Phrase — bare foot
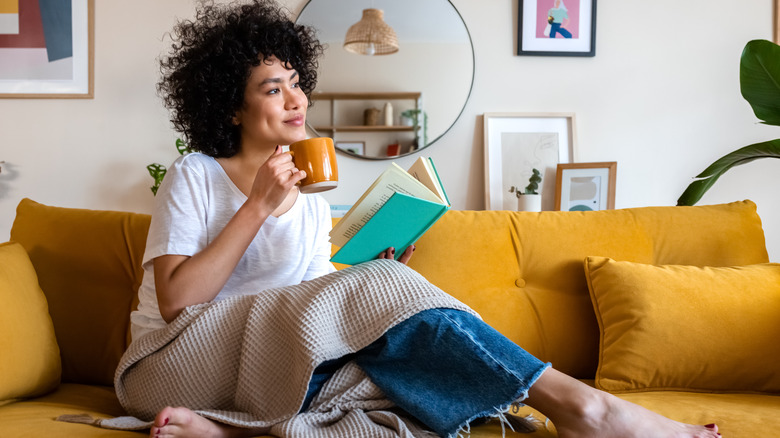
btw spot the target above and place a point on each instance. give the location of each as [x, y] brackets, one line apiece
[182, 423]
[580, 411]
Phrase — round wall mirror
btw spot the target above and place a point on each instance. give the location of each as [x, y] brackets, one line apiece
[389, 105]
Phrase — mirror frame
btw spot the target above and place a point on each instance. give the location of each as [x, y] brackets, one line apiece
[454, 121]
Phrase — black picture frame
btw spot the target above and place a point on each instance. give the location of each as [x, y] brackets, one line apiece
[529, 43]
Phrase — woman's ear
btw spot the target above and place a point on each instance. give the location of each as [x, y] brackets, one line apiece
[236, 120]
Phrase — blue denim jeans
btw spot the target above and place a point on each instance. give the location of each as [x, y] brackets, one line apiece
[555, 29]
[444, 367]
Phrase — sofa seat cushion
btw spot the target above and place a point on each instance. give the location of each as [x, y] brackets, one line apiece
[737, 415]
[29, 355]
[35, 418]
[689, 328]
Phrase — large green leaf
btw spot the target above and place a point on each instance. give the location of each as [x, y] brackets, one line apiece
[705, 180]
[759, 79]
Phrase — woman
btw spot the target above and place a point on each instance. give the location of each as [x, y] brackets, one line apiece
[230, 222]
[560, 19]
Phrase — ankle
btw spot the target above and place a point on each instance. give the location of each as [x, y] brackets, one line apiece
[565, 400]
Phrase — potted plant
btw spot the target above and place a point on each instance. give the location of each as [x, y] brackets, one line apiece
[759, 80]
[157, 171]
[529, 199]
[411, 117]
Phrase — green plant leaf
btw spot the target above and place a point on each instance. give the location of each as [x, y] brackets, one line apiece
[705, 180]
[759, 79]
[182, 147]
[156, 171]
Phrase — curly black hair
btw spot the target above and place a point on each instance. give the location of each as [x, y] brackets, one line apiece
[204, 77]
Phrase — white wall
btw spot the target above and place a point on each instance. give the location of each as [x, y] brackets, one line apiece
[661, 98]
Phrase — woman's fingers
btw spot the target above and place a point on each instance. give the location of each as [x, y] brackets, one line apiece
[407, 254]
[389, 253]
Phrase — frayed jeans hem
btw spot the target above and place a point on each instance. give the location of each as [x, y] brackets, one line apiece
[501, 410]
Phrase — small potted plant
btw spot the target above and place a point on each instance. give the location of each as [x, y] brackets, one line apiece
[529, 199]
[157, 171]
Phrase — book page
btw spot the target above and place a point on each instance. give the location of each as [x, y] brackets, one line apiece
[394, 179]
[421, 169]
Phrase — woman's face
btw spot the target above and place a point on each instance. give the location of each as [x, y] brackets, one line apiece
[274, 108]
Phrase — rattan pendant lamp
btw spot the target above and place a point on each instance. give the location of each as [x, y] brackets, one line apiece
[371, 35]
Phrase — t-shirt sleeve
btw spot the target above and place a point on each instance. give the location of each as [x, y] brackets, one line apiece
[179, 222]
[320, 264]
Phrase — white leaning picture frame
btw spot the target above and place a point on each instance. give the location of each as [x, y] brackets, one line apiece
[517, 143]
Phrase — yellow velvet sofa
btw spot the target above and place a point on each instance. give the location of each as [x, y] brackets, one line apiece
[673, 308]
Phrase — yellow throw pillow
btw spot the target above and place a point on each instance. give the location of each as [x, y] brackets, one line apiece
[29, 358]
[685, 327]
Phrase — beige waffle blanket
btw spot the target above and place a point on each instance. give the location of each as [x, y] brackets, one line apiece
[247, 361]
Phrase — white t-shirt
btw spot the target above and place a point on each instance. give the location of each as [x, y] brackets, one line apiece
[195, 202]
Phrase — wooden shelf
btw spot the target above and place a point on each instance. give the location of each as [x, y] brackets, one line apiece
[345, 108]
[366, 96]
[365, 128]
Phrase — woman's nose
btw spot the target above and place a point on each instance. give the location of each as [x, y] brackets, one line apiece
[294, 99]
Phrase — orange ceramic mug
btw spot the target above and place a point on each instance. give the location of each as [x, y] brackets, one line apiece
[317, 157]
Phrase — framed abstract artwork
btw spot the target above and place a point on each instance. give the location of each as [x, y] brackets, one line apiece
[517, 143]
[585, 186]
[46, 48]
[556, 28]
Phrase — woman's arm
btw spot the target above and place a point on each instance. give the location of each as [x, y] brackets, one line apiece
[183, 281]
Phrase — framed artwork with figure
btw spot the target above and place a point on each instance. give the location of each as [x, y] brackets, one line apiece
[556, 28]
[517, 143]
[585, 186]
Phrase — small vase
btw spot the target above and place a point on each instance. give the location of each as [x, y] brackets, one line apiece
[529, 203]
[388, 114]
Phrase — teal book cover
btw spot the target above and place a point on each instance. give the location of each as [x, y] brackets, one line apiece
[398, 224]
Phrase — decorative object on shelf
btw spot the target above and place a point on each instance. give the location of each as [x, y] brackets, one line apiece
[407, 119]
[388, 114]
[393, 150]
[572, 28]
[519, 142]
[157, 171]
[529, 198]
[585, 186]
[353, 147]
[41, 42]
[759, 76]
[411, 117]
[371, 35]
[371, 116]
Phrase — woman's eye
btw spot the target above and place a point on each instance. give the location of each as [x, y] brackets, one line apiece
[274, 91]
[296, 85]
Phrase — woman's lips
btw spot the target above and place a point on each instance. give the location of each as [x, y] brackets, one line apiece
[295, 121]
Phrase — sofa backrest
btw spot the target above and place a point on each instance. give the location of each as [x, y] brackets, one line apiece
[523, 272]
[88, 264]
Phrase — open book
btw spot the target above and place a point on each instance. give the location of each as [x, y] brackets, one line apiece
[395, 211]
